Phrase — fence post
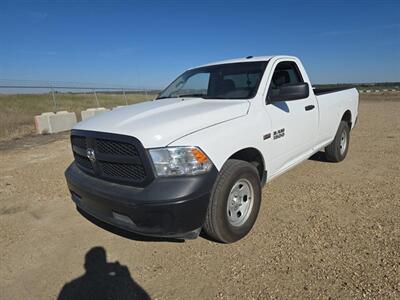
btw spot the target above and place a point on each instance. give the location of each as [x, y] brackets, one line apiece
[54, 99]
[145, 92]
[97, 100]
[126, 101]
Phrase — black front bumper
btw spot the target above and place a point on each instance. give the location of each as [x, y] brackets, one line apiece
[167, 207]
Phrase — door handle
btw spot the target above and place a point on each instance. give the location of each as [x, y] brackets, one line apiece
[309, 107]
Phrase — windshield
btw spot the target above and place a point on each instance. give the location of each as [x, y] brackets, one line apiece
[226, 81]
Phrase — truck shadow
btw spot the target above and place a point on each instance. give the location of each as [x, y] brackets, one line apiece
[319, 156]
[102, 280]
[126, 234]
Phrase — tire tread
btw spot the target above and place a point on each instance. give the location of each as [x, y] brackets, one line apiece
[210, 225]
[332, 152]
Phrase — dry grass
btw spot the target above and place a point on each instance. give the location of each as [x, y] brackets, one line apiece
[384, 96]
[17, 110]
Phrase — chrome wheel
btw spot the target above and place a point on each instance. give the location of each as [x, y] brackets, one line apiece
[240, 202]
[343, 142]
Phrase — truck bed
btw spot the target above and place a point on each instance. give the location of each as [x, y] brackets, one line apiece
[321, 91]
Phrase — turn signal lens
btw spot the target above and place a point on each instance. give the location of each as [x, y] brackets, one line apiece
[199, 156]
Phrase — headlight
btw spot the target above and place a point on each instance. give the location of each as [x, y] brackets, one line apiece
[175, 161]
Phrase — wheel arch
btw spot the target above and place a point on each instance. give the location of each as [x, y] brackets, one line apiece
[253, 156]
[347, 117]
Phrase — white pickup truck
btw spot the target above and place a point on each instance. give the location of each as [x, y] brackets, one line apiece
[195, 158]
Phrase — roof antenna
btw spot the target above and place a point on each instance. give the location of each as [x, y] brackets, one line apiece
[250, 56]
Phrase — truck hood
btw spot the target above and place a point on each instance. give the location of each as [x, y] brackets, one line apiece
[160, 122]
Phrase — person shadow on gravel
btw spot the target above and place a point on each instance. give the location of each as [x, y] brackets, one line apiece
[102, 280]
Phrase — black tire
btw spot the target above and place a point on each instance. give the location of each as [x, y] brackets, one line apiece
[334, 152]
[217, 225]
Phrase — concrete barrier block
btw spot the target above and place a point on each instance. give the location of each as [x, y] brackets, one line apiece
[62, 121]
[42, 123]
[91, 112]
[50, 122]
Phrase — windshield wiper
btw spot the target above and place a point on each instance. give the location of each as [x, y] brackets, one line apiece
[215, 97]
[183, 96]
[192, 95]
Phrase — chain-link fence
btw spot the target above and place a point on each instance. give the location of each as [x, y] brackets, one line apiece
[20, 102]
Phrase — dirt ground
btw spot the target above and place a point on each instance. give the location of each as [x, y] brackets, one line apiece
[325, 231]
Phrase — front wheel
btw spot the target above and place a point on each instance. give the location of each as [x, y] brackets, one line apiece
[337, 150]
[235, 202]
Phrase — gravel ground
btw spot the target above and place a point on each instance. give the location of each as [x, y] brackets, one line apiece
[325, 231]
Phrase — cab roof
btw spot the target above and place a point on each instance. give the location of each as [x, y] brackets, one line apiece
[243, 59]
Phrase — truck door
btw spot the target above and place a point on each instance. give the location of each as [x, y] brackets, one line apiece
[294, 123]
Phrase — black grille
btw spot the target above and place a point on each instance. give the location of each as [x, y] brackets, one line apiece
[112, 147]
[83, 161]
[135, 172]
[118, 158]
[79, 141]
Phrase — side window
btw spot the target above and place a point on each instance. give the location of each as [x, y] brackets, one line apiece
[286, 72]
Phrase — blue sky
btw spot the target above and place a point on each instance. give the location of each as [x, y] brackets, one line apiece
[148, 43]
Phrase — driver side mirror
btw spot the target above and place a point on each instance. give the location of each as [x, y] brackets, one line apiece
[288, 92]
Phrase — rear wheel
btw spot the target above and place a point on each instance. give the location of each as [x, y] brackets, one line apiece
[337, 150]
[235, 202]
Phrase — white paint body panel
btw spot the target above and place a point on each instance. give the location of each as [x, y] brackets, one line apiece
[331, 109]
[300, 125]
[222, 127]
[158, 123]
